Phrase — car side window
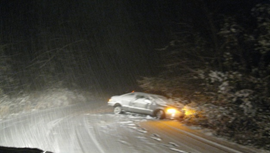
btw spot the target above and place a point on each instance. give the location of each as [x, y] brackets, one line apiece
[139, 96]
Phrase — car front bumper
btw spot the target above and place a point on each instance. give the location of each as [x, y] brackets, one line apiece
[175, 115]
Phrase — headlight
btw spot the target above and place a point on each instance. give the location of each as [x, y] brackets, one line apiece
[171, 111]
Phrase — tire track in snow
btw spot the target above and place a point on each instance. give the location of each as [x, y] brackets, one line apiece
[203, 140]
[171, 147]
[94, 139]
[162, 139]
[188, 141]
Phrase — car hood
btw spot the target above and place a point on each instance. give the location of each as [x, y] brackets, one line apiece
[161, 102]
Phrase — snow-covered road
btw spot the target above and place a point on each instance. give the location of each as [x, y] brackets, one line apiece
[89, 128]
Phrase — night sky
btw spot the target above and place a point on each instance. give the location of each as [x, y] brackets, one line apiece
[115, 42]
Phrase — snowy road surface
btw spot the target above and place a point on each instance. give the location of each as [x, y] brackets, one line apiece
[89, 128]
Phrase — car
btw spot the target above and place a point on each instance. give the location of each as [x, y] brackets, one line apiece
[144, 103]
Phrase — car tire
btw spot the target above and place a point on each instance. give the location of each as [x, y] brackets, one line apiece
[117, 110]
[160, 115]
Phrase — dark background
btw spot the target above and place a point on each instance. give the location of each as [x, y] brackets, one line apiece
[99, 45]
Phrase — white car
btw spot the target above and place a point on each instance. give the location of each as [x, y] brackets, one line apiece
[144, 103]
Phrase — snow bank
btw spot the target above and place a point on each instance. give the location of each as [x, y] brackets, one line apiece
[38, 100]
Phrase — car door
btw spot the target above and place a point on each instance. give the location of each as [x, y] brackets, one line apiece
[141, 104]
[126, 100]
[147, 106]
[131, 103]
[134, 104]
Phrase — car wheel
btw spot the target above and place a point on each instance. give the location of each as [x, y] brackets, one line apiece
[117, 110]
[160, 114]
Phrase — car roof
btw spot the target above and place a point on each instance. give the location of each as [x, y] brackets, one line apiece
[143, 93]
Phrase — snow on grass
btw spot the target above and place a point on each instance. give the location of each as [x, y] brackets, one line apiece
[38, 100]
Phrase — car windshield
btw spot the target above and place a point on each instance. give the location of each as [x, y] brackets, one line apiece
[128, 94]
[160, 99]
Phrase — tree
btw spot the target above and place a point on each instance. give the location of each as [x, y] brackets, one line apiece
[7, 81]
[231, 91]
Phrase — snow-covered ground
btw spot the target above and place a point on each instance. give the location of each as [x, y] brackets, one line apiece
[89, 128]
